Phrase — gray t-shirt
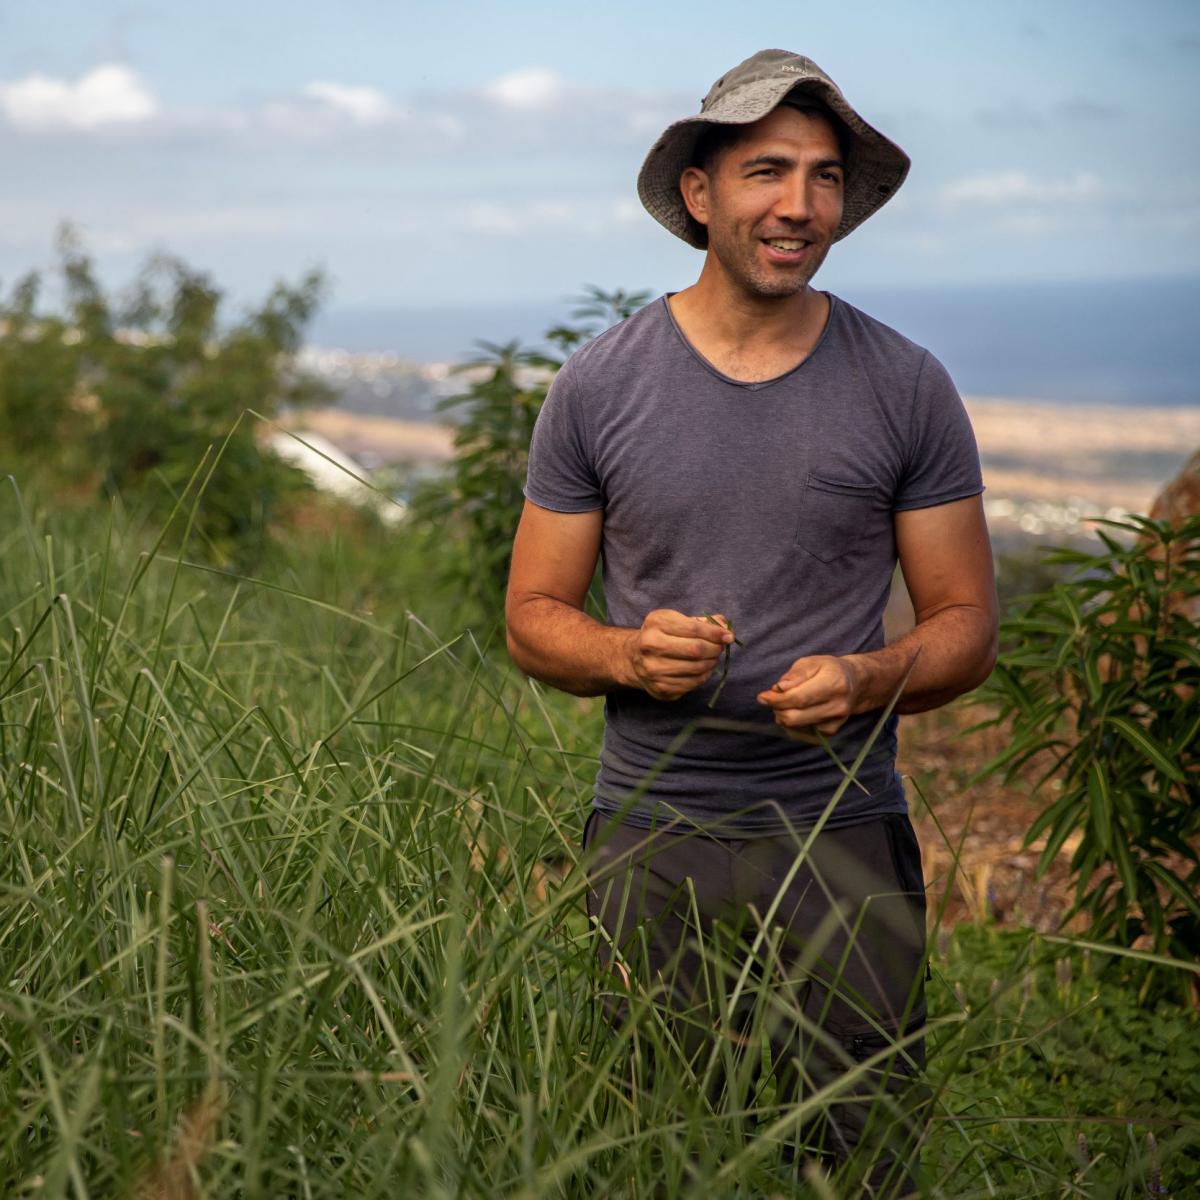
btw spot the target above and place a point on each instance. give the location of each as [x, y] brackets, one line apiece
[769, 502]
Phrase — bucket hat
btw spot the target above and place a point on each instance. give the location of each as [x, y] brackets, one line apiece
[875, 165]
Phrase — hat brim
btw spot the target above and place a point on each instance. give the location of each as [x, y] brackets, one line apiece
[876, 166]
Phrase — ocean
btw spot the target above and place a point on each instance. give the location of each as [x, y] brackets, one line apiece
[1127, 343]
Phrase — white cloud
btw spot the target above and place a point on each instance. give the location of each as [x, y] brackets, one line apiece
[106, 95]
[571, 216]
[1033, 223]
[496, 217]
[532, 108]
[364, 105]
[1016, 187]
[531, 88]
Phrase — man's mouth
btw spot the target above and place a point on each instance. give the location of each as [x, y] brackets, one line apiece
[786, 249]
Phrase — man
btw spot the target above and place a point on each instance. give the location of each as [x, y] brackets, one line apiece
[751, 456]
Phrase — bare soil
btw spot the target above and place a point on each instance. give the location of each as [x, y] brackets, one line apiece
[972, 833]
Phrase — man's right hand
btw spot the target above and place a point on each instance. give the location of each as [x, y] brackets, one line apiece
[673, 654]
[551, 638]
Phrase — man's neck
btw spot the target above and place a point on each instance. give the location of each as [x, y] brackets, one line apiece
[727, 325]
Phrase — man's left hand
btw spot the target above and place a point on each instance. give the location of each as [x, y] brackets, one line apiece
[821, 690]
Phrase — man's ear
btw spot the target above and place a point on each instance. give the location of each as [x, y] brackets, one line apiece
[694, 187]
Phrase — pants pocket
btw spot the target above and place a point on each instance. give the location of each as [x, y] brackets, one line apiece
[588, 827]
[910, 876]
[589, 830]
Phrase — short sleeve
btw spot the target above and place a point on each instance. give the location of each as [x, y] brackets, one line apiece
[561, 475]
[943, 460]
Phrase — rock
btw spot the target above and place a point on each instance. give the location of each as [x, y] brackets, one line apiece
[1180, 499]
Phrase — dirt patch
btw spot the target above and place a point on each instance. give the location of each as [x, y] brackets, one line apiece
[972, 833]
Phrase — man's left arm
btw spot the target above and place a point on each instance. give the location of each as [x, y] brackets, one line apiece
[946, 559]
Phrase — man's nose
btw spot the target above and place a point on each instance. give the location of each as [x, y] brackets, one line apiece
[795, 203]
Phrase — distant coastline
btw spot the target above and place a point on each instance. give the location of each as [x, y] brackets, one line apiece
[1127, 343]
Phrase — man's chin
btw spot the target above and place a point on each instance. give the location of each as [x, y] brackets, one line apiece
[779, 289]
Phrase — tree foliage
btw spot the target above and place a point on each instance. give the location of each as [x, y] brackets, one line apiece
[1101, 675]
[136, 397]
[482, 495]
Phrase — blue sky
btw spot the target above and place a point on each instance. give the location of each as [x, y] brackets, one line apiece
[474, 152]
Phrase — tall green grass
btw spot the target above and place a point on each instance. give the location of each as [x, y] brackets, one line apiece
[290, 906]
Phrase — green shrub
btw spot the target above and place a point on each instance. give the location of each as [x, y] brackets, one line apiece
[129, 397]
[1100, 675]
[35, 386]
[481, 497]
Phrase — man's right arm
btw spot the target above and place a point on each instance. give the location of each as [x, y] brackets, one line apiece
[551, 638]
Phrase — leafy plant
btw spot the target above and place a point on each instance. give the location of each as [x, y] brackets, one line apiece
[1099, 675]
[38, 368]
[482, 493]
[129, 396]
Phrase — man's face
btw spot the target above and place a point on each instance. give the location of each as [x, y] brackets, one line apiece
[772, 202]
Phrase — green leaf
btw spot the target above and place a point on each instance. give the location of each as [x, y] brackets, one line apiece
[1091, 674]
[1103, 948]
[1125, 869]
[1063, 592]
[1062, 830]
[1047, 817]
[1153, 750]
[1177, 648]
[1100, 806]
[1185, 895]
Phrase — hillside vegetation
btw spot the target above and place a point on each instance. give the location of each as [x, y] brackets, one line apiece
[289, 898]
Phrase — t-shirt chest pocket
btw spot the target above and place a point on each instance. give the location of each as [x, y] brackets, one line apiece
[834, 514]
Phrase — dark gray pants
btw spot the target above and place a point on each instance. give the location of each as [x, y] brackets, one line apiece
[822, 953]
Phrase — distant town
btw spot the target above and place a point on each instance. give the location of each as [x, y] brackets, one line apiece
[385, 384]
[381, 384]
